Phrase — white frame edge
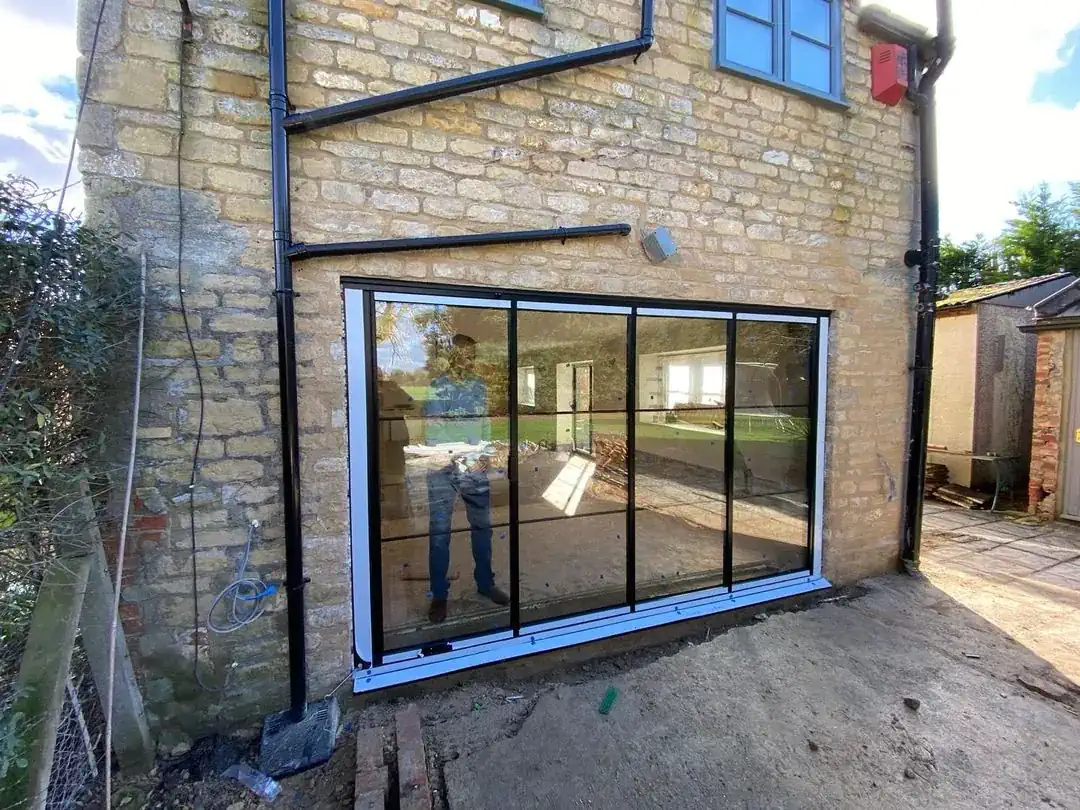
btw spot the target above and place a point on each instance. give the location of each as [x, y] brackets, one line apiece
[436, 300]
[524, 305]
[656, 312]
[818, 539]
[581, 631]
[359, 543]
[765, 316]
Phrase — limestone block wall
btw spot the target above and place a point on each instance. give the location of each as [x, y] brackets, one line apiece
[773, 198]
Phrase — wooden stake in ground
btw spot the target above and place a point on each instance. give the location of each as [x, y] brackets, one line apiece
[40, 687]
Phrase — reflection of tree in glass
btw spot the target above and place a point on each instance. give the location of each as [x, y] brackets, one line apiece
[773, 365]
[420, 339]
[780, 343]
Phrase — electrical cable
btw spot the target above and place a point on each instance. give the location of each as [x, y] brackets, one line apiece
[195, 360]
[243, 591]
[47, 251]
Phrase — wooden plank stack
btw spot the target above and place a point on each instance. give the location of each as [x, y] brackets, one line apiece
[962, 496]
[937, 475]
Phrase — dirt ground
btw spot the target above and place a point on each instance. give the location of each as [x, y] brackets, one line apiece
[797, 709]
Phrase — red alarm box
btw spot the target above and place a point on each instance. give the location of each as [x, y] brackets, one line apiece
[888, 73]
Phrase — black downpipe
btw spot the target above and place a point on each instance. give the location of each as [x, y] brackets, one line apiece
[927, 257]
[284, 252]
[286, 339]
[365, 107]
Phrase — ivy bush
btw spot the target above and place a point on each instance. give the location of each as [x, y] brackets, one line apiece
[68, 309]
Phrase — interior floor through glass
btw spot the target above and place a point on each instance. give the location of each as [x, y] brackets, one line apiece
[568, 566]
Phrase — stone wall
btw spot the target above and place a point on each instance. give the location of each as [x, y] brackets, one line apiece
[773, 198]
[1047, 424]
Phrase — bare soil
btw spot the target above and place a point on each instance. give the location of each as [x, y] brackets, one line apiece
[956, 688]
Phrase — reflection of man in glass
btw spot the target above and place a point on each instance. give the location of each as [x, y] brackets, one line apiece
[457, 418]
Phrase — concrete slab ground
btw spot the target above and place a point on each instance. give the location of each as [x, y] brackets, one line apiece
[807, 709]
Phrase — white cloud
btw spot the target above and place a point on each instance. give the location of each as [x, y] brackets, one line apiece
[36, 123]
[993, 141]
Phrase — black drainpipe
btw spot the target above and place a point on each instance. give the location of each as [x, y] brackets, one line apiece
[282, 121]
[927, 260]
[286, 339]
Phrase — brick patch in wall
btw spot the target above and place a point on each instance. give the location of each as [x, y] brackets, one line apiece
[1046, 425]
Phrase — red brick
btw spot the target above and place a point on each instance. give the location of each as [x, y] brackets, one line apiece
[372, 776]
[413, 787]
[150, 522]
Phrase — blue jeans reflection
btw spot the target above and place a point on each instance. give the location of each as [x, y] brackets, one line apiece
[444, 486]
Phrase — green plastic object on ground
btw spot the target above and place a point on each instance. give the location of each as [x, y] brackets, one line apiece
[609, 700]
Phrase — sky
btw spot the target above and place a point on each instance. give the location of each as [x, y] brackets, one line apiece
[1009, 103]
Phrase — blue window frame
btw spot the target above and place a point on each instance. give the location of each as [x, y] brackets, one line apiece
[794, 42]
[534, 8]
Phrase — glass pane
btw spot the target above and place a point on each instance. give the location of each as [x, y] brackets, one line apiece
[572, 474]
[442, 452]
[810, 65]
[406, 589]
[415, 471]
[748, 43]
[772, 451]
[679, 456]
[557, 480]
[811, 18]
[569, 352]
[759, 8]
[571, 565]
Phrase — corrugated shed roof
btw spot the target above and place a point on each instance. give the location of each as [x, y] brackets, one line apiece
[971, 295]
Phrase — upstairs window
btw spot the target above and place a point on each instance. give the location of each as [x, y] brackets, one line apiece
[534, 8]
[794, 42]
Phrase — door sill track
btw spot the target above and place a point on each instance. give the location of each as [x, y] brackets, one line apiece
[411, 666]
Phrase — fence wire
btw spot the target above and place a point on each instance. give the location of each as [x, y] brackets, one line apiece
[79, 757]
[79, 761]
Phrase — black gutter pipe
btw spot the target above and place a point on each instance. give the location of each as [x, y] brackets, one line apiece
[300, 250]
[927, 259]
[365, 107]
[286, 340]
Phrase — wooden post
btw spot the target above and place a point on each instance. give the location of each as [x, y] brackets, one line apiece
[131, 737]
[131, 740]
[40, 687]
[76, 591]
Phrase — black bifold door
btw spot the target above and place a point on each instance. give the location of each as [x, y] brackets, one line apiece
[530, 462]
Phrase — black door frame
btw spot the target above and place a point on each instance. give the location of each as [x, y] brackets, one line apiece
[510, 300]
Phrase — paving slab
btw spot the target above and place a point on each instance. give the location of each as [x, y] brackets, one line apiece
[1048, 550]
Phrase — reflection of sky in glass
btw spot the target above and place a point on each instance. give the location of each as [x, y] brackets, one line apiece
[407, 352]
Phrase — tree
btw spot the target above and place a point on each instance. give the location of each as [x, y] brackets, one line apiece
[1044, 237]
[968, 264]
